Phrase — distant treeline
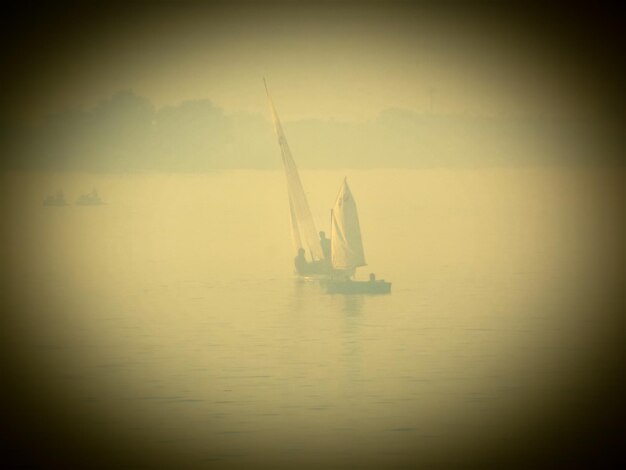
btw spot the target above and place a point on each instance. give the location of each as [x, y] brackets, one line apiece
[127, 133]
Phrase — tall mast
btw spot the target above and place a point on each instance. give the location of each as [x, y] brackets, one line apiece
[302, 223]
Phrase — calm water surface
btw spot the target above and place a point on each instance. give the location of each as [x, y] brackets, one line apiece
[171, 318]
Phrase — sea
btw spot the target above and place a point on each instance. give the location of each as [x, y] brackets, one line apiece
[166, 327]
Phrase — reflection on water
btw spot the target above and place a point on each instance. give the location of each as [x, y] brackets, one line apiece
[172, 320]
[353, 304]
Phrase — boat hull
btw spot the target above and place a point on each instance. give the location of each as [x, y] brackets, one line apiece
[334, 286]
[314, 269]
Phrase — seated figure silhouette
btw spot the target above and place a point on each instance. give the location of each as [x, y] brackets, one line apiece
[302, 267]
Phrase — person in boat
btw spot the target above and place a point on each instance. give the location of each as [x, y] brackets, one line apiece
[300, 262]
[325, 242]
[304, 267]
[372, 277]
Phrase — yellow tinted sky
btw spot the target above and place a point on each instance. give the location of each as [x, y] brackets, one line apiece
[342, 62]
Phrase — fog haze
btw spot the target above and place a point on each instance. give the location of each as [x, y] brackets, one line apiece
[153, 315]
[152, 86]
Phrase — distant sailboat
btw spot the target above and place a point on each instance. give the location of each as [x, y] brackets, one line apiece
[334, 260]
[347, 249]
[90, 199]
[302, 224]
[57, 199]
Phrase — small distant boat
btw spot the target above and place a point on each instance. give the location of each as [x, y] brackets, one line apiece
[347, 250]
[90, 199]
[348, 286]
[57, 199]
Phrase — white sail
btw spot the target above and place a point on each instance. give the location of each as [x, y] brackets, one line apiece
[346, 243]
[302, 224]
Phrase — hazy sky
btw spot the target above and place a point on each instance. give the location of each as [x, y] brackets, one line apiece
[345, 61]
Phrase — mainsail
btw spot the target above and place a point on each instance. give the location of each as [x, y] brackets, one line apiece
[346, 243]
[302, 224]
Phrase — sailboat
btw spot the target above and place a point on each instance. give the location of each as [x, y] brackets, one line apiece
[334, 261]
[90, 199]
[347, 249]
[302, 223]
[57, 199]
